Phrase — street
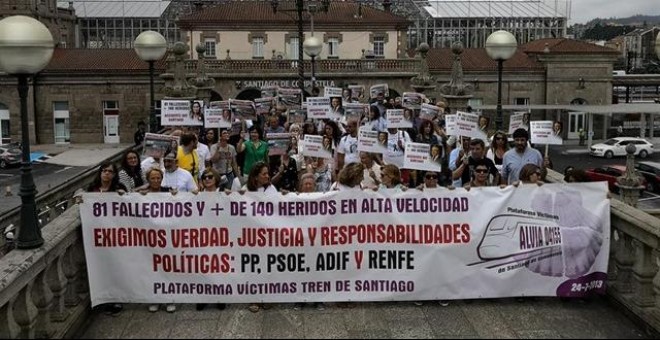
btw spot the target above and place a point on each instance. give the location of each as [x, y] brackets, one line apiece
[560, 160]
[45, 176]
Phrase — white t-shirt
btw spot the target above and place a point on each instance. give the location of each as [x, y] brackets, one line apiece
[204, 154]
[149, 163]
[369, 182]
[348, 146]
[180, 179]
[394, 153]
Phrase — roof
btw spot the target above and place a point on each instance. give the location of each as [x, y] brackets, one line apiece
[252, 13]
[498, 9]
[476, 59]
[565, 46]
[98, 61]
[117, 8]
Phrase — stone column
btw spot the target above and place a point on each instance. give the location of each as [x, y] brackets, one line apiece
[630, 183]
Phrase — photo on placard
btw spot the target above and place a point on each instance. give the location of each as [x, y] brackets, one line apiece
[278, 143]
[290, 98]
[297, 116]
[269, 91]
[196, 116]
[379, 90]
[436, 153]
[243, 109]
[157, 145]
[412, 100]
[357, 92]
[484, 123]
[557, 128]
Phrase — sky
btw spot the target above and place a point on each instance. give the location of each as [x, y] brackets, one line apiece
[585, 10]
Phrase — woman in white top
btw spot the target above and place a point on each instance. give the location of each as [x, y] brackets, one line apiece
[259, 179]
[350, 177]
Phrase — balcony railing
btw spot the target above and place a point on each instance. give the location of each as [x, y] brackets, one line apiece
[321, 66]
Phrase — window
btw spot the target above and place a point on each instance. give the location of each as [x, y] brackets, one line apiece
[379, 47]
[4, 124]
[293, 48]
[209, 44]
[110, 105]
[333, 47]
[522, 101]
[474, 102]
[257, 47]
[61, 122]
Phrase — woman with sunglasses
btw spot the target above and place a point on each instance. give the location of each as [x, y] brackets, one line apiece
[531, 174]
[390, 176]
[211, 180]
[498, 147]
[480, 174]
[430, 181]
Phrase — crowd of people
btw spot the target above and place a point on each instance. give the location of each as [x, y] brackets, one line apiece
[238, 159]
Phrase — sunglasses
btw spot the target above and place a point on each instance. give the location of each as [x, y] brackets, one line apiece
[431, 177]
[208, 177]
[481, 171]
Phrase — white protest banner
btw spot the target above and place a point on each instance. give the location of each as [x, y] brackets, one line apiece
[396, 119]
[243, 109]
[544, 132]
[317, 146]
[357, 92]
[371, 141]
[290, 98]
[263, 105]
[332, 92]
[450, 125]
[467, 125]
[422, 156]
[278, 143]
[157, 146]
[428, 111]
[181, 113]
[349, 245]
[213, 120]
[412, 100]
[516, 121]
[319, 108]
[379, 88]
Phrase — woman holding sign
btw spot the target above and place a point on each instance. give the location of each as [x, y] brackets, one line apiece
[256, 149]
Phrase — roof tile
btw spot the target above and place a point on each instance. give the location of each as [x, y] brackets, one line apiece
[565, 46]
[477, 60]
[98, 60]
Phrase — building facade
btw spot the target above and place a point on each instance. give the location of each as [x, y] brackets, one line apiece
[61, 21]
[99, 95]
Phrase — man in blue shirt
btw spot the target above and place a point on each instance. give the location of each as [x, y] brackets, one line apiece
[522, 154]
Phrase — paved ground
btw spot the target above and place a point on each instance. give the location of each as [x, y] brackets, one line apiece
[503, 318]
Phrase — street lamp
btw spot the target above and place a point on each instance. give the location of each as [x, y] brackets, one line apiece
[26, 47]
[151, 46]
[313, 47]
[500, 46]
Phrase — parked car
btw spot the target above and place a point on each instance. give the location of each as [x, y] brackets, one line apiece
[617, 147]
[9, 155]
[651, 173]
[609, 174]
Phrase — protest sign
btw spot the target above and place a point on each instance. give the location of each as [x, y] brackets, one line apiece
[157, 146]
[412, 100]
[371, 141]
[450, 125]
[379, 88]
[290, 98]
[428, 111]
[422, 156]
[545, 132]
[467, 125]
[317, 146]
[396, 119]
[516, 121]
[332, 92]
[278, 143]
[243, 109]
[319, 108]
[181, 113]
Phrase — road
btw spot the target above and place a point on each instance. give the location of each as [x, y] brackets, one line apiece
[560, 161]
[45, 176]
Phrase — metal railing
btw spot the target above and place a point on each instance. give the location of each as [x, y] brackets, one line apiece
[277, 66]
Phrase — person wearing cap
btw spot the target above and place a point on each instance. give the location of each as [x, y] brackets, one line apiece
[522, 154]
[175, 177]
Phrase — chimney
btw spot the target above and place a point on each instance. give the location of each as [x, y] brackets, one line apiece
[387, 5]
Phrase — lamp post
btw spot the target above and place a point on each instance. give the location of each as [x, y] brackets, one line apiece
[151, 46]
[313, 47]
[26, 47]
[500, 46]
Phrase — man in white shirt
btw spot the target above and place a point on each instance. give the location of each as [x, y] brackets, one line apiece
[175, 177]
[371, 177]
[347, 149]
[396, 143]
